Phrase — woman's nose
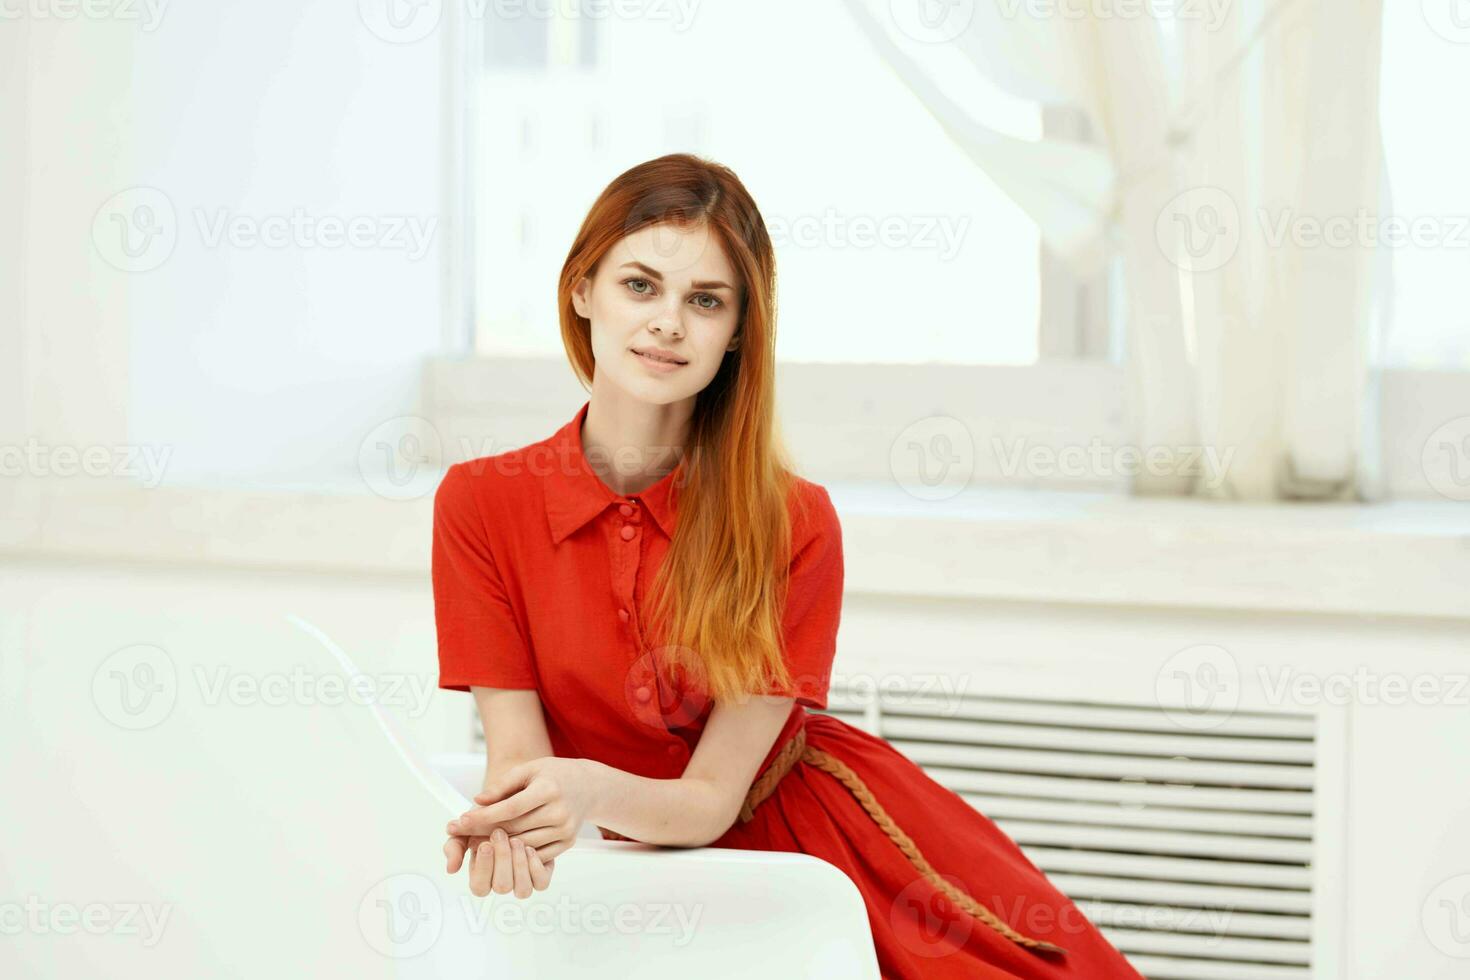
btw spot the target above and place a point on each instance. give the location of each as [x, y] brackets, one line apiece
[666, 321]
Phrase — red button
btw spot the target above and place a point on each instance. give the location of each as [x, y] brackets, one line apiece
[625, 510]
[644, 694]
[623, 615]
[628, 533]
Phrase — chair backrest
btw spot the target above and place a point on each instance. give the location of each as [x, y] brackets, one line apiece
[712, 912]
[229, 809]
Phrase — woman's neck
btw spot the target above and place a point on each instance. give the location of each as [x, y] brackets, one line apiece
[631, 445]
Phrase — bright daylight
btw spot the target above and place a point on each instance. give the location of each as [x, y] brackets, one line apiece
[802, 489]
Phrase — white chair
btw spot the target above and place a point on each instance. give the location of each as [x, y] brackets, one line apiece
[613, 908]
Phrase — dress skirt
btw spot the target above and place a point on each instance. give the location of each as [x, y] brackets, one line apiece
[921, 929]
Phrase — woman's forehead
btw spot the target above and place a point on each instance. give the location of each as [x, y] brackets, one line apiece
[677, 253]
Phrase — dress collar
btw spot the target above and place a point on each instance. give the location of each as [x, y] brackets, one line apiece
[575, 493]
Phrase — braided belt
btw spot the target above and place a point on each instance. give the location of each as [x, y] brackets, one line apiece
[796, 750]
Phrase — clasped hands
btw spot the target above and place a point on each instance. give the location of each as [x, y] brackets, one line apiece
[522, 821]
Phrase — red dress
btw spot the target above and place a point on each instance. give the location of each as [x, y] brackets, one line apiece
[539, 575]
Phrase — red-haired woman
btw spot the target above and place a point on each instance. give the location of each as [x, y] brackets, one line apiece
[645, 603]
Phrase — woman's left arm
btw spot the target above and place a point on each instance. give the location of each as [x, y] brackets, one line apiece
[700, 806]
[545, 801]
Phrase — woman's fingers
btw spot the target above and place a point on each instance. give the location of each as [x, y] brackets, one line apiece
[502, 880]
[534, 820]
[465, 846]
[482, 865]
[540, 872]
[522, 868]
[484, 819]
[502, 864]
[454, 851]
[540, 838]
[554, 850]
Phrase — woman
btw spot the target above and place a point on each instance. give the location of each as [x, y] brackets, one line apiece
[646, 603]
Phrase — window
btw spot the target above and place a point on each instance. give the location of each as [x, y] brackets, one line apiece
[1426, 60]
[883, 233]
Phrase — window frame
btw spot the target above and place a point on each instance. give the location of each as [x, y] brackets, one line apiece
[1075, 392]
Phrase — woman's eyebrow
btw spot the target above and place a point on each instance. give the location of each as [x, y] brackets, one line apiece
[657, 276]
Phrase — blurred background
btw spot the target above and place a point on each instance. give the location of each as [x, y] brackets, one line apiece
[1130, 337]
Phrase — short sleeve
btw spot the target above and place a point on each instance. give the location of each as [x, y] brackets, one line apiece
[813, 602]
[480, 641]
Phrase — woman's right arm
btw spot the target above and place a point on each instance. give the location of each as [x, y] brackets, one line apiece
[515, 729]
[515, 732]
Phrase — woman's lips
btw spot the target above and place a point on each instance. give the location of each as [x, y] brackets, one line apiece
[653, 364]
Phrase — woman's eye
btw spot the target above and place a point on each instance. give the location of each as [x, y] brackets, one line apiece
[642, 287]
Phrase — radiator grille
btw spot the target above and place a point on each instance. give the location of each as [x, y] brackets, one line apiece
[1190, 849]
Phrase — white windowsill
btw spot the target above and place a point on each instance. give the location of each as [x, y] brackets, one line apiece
[1407, 558]
[1400, 558]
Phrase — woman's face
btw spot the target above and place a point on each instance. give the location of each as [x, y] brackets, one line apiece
[666, 289]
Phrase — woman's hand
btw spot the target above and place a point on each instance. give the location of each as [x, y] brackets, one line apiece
[542, 802]
[499, 864]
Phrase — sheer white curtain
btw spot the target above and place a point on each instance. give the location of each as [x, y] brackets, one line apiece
[1065, 186]
[1242, 338]
[1281, 146]
[1086, 198]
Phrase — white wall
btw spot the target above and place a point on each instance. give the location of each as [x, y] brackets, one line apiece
[244, 358]
[108, 811]
[254, 829]
[1393, 818]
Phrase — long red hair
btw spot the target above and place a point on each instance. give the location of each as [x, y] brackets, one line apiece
[720, 591]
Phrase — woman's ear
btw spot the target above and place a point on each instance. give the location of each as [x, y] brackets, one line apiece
[579, 297]
[734, 343]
